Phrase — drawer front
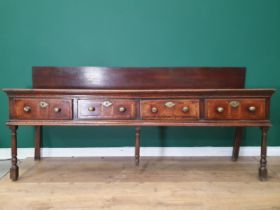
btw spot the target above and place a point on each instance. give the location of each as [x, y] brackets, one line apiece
[170, 109]
[235, 109]
[107, 109]
[41, 109]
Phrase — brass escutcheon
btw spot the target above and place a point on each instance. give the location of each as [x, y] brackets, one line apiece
[234, 104]
[107, 103]
[169, 104]
[43, 104]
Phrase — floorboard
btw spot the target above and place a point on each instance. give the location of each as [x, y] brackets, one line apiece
[158, 183]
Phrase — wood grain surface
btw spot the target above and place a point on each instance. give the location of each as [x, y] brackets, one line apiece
[158, 183]
[138, 78]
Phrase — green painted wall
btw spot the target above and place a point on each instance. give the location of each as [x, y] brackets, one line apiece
[139, 33]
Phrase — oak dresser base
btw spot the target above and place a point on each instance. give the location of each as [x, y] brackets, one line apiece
[139, 97]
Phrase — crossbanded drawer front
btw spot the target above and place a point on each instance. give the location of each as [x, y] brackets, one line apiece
[235, 109]
[169, 109]
[107, 109]
[41, 109]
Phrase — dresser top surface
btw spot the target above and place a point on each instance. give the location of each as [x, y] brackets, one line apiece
[191, 92]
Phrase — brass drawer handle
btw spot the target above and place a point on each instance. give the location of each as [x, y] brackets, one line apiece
[91, 109]
[185, 109]
[43, 104]
[27, 109]
[122, 109]
[169, 104]
[234, 104]
[154, 110]
[57, 109]
[220, 109]
[252, 108]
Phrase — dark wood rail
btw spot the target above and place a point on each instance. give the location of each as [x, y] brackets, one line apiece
[138, 78]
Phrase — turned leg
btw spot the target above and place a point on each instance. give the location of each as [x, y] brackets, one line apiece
[263, 162]
[237, 141]
[38, 136]
[14, 166]
[137, 146]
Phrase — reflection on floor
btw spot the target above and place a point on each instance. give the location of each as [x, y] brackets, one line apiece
[4, 167]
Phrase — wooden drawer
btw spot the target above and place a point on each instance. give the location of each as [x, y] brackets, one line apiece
[107, 109]
[235, 109]
[41, 109]
[170, 109]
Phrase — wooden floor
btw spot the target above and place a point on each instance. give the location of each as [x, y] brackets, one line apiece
[159, 183]
[4, 167]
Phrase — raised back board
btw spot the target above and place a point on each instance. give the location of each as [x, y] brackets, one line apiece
[138, 78]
